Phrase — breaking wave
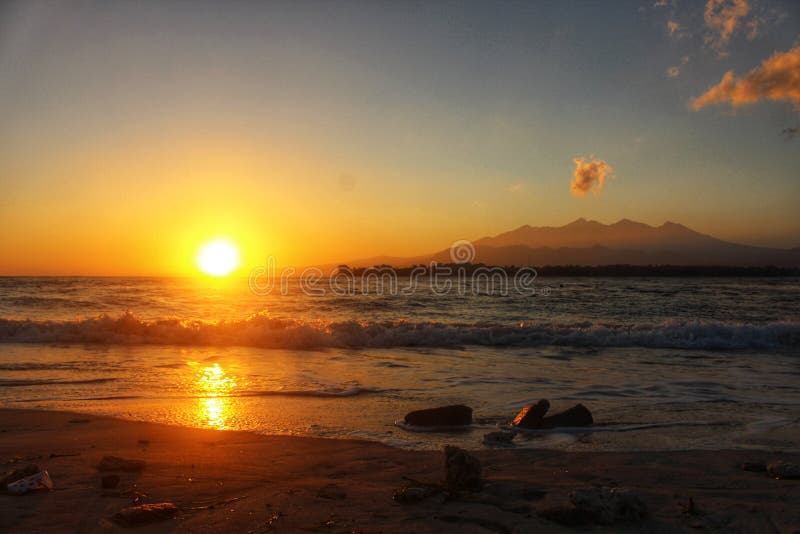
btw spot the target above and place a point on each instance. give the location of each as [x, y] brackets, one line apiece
[270, 332]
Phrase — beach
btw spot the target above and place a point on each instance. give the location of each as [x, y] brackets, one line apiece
[233, 481]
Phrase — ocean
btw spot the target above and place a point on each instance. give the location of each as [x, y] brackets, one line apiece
[662, 363]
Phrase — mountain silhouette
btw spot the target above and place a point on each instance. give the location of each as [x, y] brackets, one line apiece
[588, 242]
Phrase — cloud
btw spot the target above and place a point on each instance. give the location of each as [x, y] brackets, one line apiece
[519, 187]
[789, 133]
[672, 27]
[674, 72]
[589, 175]
[778, 78]
[753, 28]
[722, 17]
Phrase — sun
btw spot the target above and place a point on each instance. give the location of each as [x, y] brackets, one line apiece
[218, 257]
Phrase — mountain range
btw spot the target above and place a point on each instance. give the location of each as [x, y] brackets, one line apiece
[588, 242]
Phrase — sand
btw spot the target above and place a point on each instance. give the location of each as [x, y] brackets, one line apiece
[225, 481]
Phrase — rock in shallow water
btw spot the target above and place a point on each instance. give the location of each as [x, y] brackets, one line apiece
[462, 470]
[784, 470]
[455, 415]
[578, 415]
[531, 415]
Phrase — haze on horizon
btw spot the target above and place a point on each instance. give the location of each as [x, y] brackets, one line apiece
[131, 132]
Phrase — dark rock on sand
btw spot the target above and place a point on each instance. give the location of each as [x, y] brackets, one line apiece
[531, 415]
[499, 438]
[18, 474]
[609, 505]
[462, 470]
[114, 463]
[455, 415]
[109, 481]
[144, 514]
[784, 470]
[578, 415]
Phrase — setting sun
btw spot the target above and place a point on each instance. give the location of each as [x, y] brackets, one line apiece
[218, 258]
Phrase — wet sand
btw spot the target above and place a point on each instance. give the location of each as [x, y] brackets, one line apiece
[226, 481]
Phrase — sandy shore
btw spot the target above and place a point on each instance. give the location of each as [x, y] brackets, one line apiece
[240, 482]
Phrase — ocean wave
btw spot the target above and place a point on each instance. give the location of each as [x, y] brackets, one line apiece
[271, 332]
[10, 383]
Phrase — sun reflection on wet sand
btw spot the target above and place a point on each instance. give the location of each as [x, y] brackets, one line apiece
[213, 385]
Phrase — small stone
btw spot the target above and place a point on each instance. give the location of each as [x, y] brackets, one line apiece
[784, 470]
[499, 438]
[109, 481]
[144, 514]
[462, 470]
[455, 415]
[114, 463]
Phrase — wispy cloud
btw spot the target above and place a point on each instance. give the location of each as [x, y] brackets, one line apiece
[722, 17]
[789, 133]
[589, 175]
[518, 187]
[778, 78]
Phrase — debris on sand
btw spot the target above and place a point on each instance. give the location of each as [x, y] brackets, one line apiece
[462, 470]
[114, 463]
[143, 514]
[18, 474]
[26, 479]
[784, 470]
[454, 415]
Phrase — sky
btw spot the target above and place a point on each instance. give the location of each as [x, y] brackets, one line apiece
[133, 132]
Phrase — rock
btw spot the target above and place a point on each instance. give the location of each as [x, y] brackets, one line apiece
[578, 415]
[455, 415]
[18, 474]
[531, 415]
[144, 514]
[755, 467]
[114, 463]
[462, 470]
[109, 481]
[609, 505]
[331, 491]
[784, 470]
[498, 439]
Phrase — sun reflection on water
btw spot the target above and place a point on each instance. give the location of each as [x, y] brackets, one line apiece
[214, 386]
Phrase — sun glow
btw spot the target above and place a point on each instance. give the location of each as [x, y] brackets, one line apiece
[218, 258]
